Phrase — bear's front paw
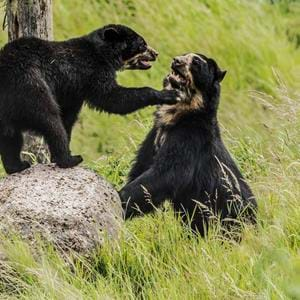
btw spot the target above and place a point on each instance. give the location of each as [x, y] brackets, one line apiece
[19, 167]
[128, 211]
[169, 96]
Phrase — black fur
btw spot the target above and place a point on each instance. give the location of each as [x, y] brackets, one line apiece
[190, 163]
[43, 86]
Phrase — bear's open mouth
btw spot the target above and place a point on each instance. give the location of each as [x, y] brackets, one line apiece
[141, 61]
[144, 62]
[178, 72]
[178, 75]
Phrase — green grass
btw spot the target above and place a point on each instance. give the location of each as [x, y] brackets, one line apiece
[258, 44]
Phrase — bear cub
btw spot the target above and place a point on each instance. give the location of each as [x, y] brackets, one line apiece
[183, 157]
[43, 86]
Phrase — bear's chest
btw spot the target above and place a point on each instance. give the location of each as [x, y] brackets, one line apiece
[165, 119]
[160, 138]
[169, 116]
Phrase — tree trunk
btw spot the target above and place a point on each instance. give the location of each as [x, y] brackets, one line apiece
[26, 18]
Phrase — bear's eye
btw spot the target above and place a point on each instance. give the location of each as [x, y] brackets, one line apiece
[197, 60]
[142, 48]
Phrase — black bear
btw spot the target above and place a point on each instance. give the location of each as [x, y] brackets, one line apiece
[43, 86]
[183, 158]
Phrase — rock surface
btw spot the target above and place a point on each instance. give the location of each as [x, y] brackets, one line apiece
[74, 208]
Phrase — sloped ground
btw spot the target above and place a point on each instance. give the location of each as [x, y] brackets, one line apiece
[258, 43]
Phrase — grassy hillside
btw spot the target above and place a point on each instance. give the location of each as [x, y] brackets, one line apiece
[258, 43]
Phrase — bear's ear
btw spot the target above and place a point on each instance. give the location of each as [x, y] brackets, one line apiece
[220, 75]
[112, 35]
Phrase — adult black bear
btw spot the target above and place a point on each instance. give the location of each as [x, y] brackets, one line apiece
[43, 85]
[183, 157]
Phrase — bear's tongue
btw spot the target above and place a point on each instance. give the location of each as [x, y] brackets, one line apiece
[145, 64]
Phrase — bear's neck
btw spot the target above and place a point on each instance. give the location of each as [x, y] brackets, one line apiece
[170, 115]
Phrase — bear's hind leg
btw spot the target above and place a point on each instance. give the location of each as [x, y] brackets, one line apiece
[53, 130]
[10, 149]
[69, 121]
[192, 215]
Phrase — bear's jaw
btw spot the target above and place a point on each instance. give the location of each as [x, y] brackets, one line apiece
[141, 61]
[181, 68]
[192, 99]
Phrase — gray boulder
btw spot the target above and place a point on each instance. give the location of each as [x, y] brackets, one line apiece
[74, 208]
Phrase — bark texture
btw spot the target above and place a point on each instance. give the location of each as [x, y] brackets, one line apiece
[29, 18]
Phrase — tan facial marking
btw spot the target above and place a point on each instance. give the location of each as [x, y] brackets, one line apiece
[152, 51]
[169, 114]
[187, 61]
[201, 58]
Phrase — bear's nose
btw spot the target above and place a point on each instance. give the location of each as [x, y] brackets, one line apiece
[152, 51]
[177, 62]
